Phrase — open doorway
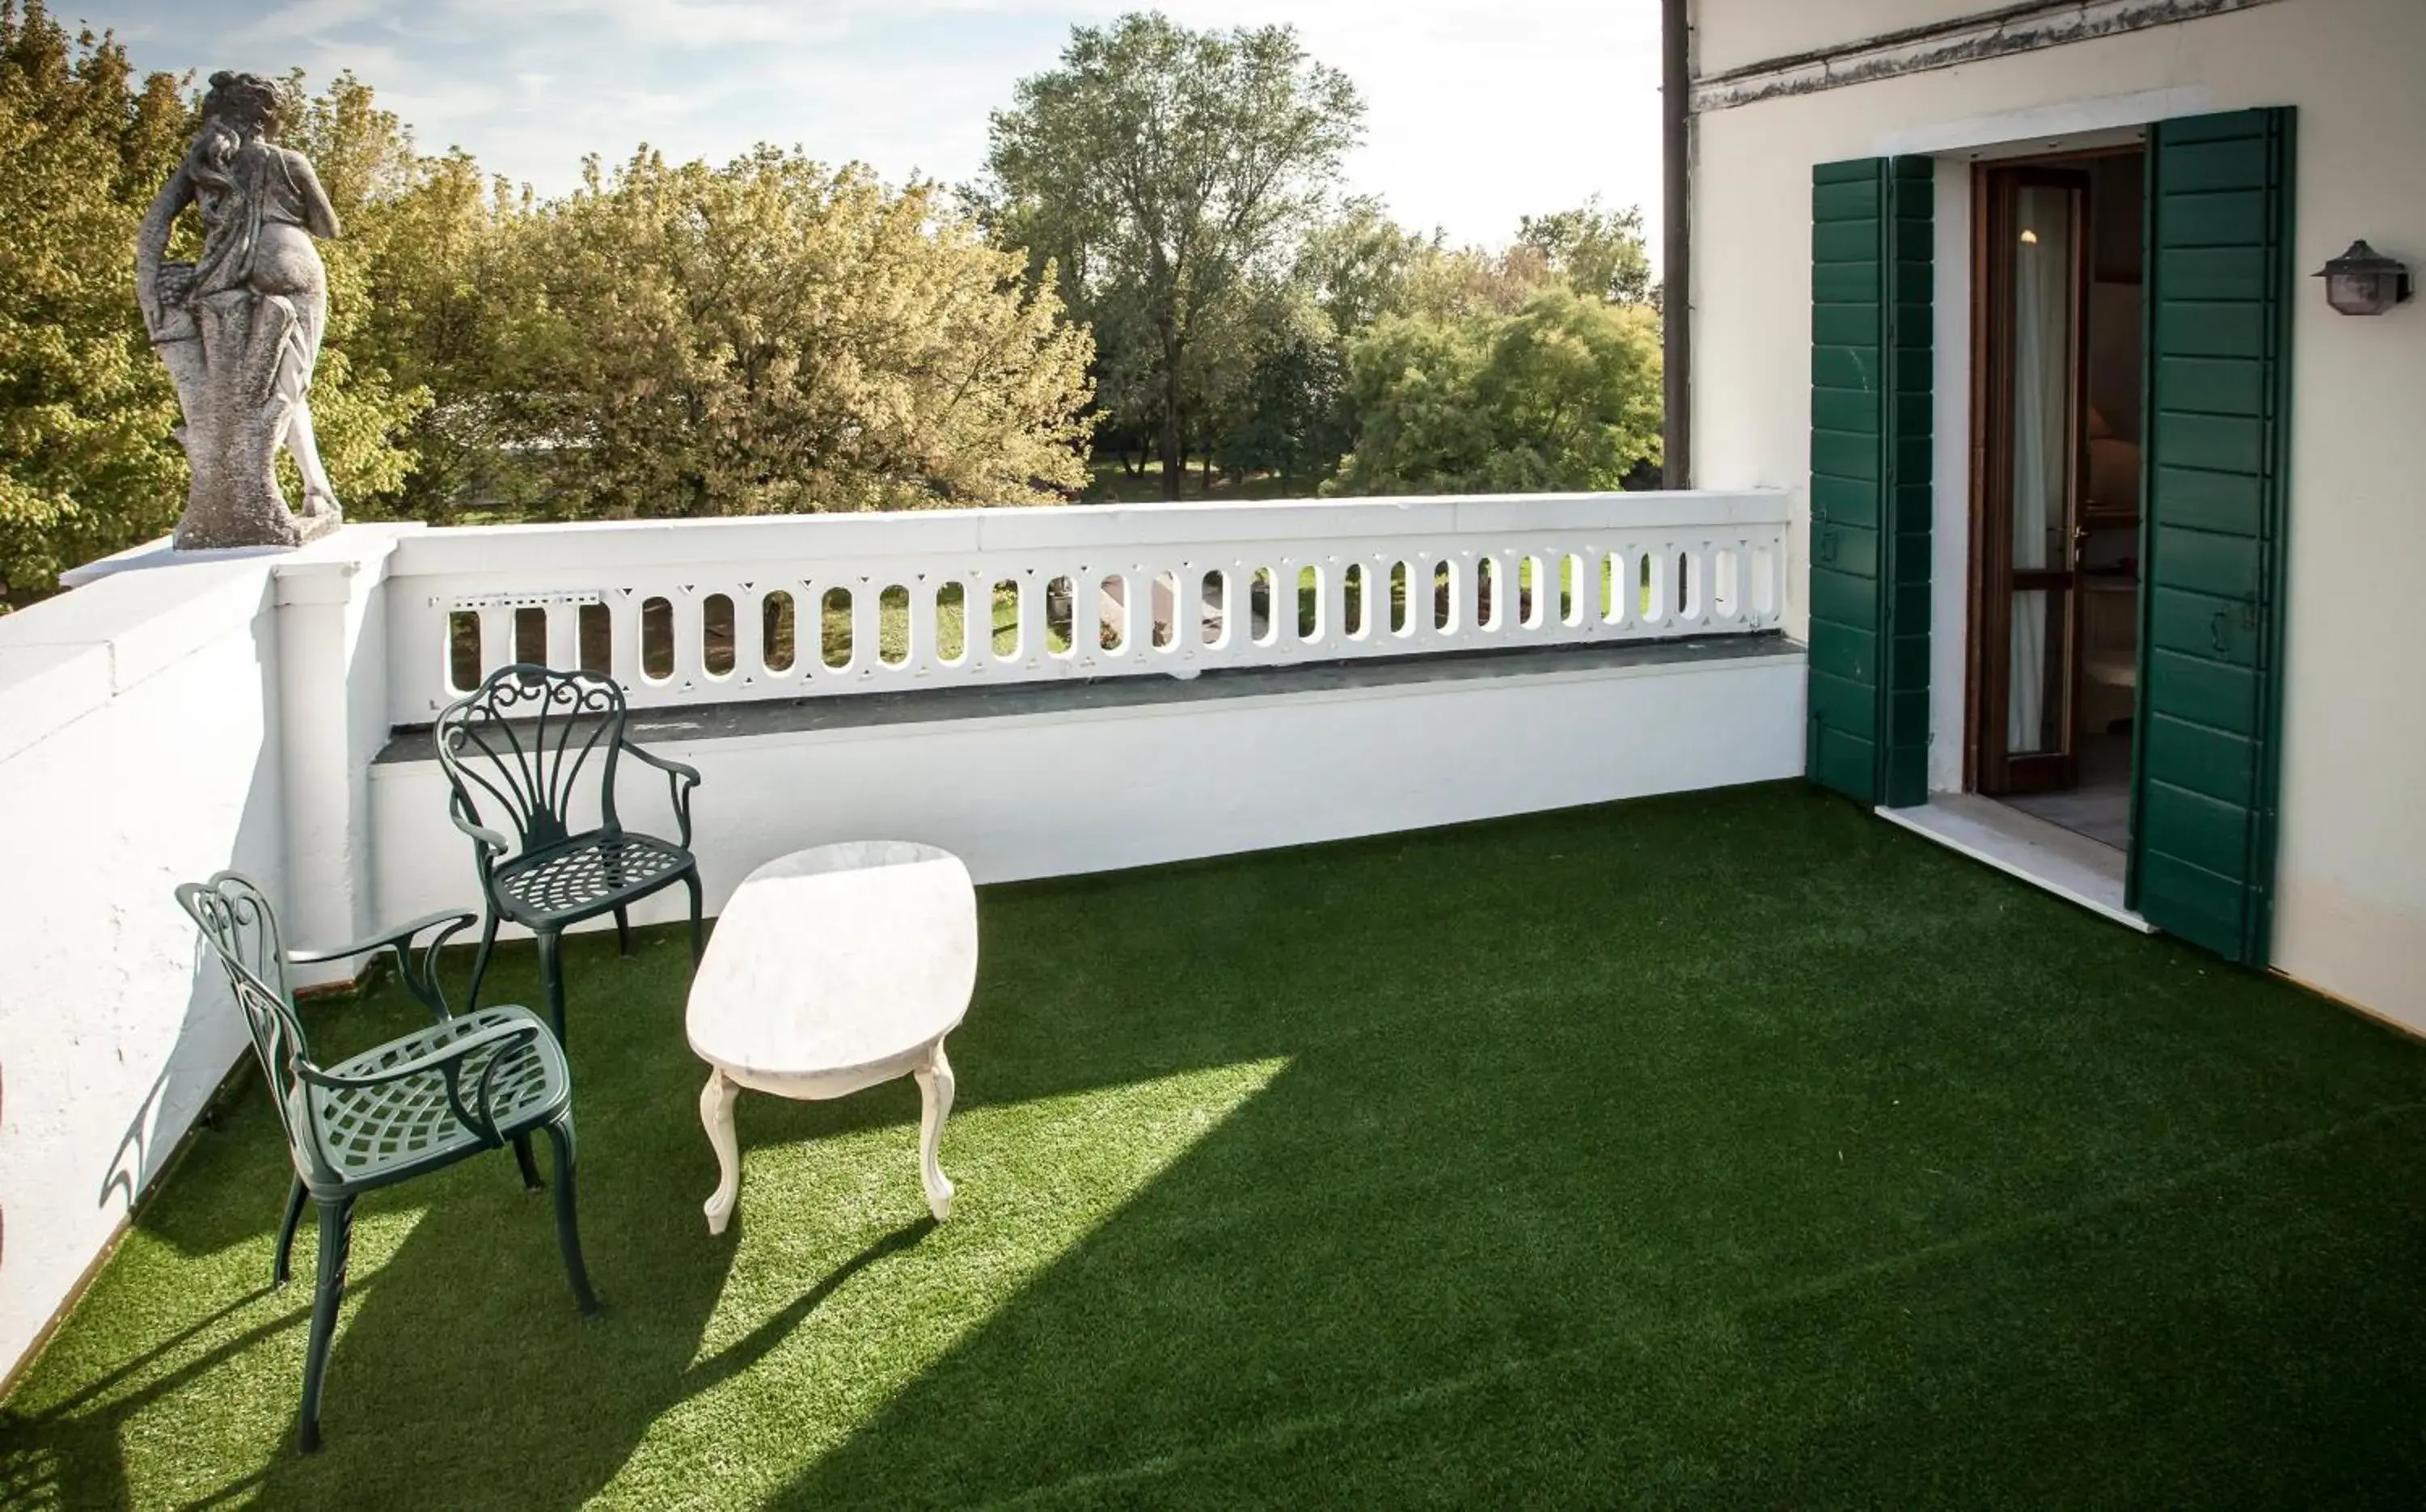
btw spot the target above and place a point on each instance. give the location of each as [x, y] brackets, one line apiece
[2054, 584]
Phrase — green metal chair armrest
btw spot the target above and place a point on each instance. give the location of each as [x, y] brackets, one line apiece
[448, 1062]
[487, 842]
[680, 780]
[418, 966]
[402, 935]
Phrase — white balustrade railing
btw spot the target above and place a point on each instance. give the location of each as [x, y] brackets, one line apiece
[711, 611]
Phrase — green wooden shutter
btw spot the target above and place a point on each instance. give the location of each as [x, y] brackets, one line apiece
[2219, 291]
[1868, 732]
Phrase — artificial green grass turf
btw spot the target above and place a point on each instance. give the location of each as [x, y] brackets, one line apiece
[1729, 1147]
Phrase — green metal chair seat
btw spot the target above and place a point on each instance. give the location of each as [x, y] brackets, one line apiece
[387, 1129]
[582, 876]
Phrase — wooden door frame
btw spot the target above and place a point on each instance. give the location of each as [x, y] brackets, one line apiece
[1990, 460]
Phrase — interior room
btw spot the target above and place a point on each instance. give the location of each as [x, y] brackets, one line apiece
[2056, 590]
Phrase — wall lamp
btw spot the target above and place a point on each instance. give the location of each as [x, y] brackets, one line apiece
[2364, 282]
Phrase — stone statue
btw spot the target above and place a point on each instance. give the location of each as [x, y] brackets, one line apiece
[240, 329]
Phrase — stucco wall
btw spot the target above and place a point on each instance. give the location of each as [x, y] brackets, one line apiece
[2351, 898]
[137, 749]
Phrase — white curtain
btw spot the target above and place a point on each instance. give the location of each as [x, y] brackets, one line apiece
[2042, 361]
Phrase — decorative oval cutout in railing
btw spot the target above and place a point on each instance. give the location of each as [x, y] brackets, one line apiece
[657, 639]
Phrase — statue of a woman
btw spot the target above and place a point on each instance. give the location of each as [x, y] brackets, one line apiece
[240, 329]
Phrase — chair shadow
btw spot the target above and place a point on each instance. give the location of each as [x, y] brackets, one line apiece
[551, 1433]
[69, 1443]
[475, 1268]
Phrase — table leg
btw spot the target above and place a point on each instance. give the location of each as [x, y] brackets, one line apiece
[935, 1099]
[716, 1111]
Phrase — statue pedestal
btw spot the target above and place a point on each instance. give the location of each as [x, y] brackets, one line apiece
[216, 531]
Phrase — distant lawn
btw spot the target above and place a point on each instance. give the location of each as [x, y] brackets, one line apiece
[1727, 1149]
[1115, 484]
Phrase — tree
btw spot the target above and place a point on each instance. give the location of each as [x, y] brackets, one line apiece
[1601, 252]
[776, 337]
[455, 295]
[1564, 394]
[1288, 413]
[1455, 284]
[87, 462]
[1356, 264]
[442, 293]
[1159, 170]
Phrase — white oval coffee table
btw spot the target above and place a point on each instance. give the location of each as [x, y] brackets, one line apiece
[833, 969]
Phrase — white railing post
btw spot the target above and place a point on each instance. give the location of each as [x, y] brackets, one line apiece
[334, 710]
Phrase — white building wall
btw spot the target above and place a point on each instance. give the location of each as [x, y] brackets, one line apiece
[138, 749]
[2351, 892]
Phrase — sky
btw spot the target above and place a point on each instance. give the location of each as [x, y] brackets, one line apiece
[1478, 111]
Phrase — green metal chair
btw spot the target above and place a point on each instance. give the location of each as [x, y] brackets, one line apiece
[438, 1095]
[519, 747]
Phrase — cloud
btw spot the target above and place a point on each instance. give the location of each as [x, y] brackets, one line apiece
[306, 19]
[1475, 114]
[684, 23]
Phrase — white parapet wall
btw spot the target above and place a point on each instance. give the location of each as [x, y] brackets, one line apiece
[1056, 792]
[138, 747]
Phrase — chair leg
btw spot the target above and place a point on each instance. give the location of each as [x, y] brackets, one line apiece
[336, 1238]
[480, 961]
[282, 1268]
[567, 1226]
[529, 1167]
[698, 936]
[623, 931]
[551, 976]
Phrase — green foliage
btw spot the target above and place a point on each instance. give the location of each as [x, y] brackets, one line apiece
[1357, 263]
[452, 298]
[1564, 394]
[1287, 414]
[87, 463]
[682, 339]
[774, 335]
[1162, 173]
[1600, 253]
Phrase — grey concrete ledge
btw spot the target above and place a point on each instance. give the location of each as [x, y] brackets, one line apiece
[2022, 26]
[858, 710]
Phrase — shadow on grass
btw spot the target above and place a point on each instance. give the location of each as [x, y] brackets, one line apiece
[1723, 1148]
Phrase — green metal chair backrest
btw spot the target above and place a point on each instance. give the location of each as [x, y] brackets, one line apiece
[235, 916]
[524, 738]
